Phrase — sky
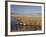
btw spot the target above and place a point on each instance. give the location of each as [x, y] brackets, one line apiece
[25, 9]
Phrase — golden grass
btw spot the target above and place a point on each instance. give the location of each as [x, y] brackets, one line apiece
[29, 19]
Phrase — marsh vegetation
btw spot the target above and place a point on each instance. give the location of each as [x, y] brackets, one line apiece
[26, 22]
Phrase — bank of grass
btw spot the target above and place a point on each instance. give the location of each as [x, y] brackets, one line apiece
[33, 22]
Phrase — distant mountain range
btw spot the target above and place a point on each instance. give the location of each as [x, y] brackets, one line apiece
[13, 13]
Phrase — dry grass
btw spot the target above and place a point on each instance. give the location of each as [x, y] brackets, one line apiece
[29, 19]
[34, 20]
